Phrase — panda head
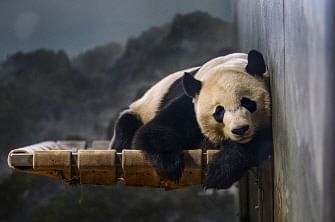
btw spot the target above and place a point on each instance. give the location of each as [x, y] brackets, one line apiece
[231, 97]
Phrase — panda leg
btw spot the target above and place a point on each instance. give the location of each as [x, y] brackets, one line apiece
[162, 149]
[165, 137]
[124, 130]
[228, 166]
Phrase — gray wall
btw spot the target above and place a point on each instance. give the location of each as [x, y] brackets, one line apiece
[297, 40]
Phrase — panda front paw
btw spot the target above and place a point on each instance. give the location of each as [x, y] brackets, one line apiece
[227, 167]
[168, 165]
[218, 174]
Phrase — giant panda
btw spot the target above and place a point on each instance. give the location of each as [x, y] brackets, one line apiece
[225, 103]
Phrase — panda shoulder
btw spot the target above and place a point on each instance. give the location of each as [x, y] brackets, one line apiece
[147, 106]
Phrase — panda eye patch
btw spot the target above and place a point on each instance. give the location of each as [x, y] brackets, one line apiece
[218, 114]
[249, 104]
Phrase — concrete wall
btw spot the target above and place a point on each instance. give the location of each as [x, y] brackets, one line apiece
[297, 39]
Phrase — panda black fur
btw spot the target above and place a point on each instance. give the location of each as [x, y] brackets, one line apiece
[166, 96]
[169, 118]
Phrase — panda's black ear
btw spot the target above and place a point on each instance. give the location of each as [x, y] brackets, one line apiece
[191, 85]
[256, 64]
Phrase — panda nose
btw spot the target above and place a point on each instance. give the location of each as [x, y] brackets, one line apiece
[240, 131]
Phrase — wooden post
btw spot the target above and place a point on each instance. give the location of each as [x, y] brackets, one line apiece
[297, 40]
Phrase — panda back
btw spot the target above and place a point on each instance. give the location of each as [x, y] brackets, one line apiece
[233, 62]
[159, 95]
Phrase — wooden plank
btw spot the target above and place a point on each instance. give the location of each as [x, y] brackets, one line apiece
[21, 160]
[97, 167]
[52, 159]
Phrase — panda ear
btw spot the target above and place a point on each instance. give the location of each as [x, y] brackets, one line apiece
[256, 64]
[191, 85]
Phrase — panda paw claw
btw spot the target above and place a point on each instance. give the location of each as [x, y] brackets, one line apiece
[168, 165]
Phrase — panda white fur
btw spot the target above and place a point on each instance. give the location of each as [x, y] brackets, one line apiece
[225, 101]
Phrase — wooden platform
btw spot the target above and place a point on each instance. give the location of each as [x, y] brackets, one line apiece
[75, 162]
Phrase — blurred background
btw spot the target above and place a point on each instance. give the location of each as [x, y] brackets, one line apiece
[68, 67]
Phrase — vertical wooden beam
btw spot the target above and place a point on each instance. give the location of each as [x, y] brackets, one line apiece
[260, 26]
[329, 151]
[260, 193]
[243, 189]
[266, 191]
[297, 39]
[254, 203]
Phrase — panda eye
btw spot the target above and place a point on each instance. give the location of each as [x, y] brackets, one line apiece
[218, 114]
[249, 104]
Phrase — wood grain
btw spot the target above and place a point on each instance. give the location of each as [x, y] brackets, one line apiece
[297, 40]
